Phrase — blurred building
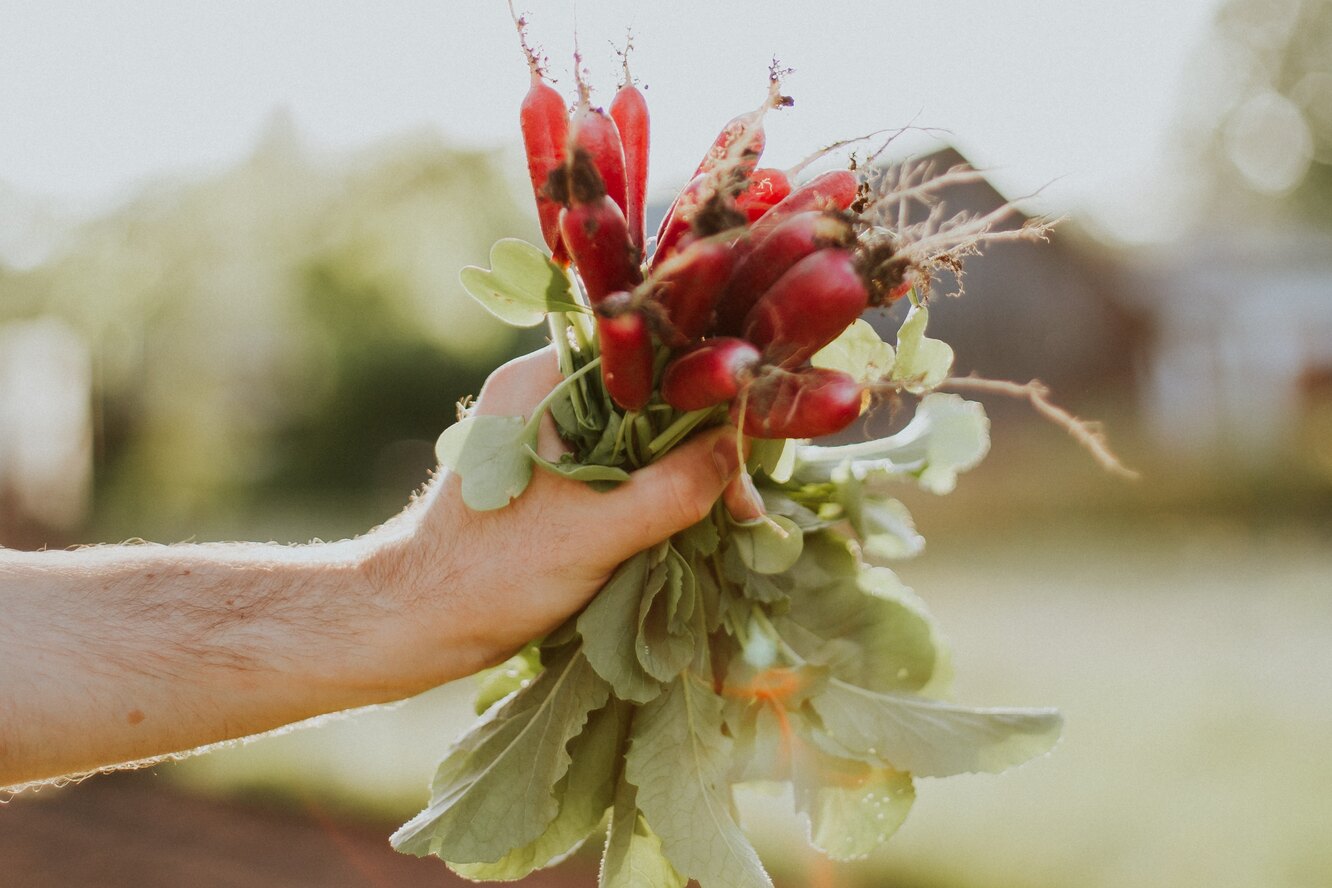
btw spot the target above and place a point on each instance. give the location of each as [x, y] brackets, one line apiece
[286, 330]
[1032, 310]
[1241, 353]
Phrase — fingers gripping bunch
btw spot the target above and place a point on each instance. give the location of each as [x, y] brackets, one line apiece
[777, 649]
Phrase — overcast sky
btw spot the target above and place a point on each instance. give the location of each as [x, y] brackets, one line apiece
[98, 96]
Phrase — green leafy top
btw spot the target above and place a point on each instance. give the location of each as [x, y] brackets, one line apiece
[948, 435]
[782, 649]
[521, 286]
[858, 351]
[494, 792]
[922, 363]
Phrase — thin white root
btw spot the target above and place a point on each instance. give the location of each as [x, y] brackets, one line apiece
[904, 208]
[533, 57]
[1088, 434]
[894, 133]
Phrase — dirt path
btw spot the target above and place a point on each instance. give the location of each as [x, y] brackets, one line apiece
[135, 831]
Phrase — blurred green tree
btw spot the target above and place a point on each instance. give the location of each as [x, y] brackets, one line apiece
[1257, 109]
[270, 336]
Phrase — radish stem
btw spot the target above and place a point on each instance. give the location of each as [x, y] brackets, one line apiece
[678, 429]
[531, 427]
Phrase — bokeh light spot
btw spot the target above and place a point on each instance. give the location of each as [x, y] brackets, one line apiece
[1269, 142]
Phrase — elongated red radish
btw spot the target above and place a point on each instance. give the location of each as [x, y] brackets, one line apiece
[806, 403]
[545, 124]
[786, 244]
[689, 285]
[626, 353]
[593, 131]
[598, 240]
[594, 231]
[711, 373]
[833, 190]
[675, 224]
[705, 207]
[738, 145]
[742, 140]
[723, 171]
[767, 187]
[807, 308]
[629, 111]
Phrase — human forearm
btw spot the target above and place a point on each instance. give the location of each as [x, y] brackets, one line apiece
[112, 654]
[115, 654]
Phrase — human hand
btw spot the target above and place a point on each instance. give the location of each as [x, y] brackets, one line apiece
[471, 587]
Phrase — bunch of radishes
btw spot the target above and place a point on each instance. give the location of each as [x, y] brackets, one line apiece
[777, 648]
[749, 278]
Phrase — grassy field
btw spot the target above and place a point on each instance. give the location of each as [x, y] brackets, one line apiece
[1195, 673]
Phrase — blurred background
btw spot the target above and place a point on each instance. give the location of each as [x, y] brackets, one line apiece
[229, 243]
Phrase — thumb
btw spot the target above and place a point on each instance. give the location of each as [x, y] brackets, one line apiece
[672, 494]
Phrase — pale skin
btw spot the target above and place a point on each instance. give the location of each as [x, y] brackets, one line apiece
[115, 654]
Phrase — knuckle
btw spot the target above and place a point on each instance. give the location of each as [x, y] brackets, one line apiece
[686, 498]
[518, 385]
[498, 387]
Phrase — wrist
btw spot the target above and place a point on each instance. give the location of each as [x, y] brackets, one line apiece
[415, 570]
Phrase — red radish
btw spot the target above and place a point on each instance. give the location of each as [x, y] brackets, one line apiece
[689, 285]
[594, 230]
[889, 274]
[626, 353]
[545, 125]
[738, 145]
[711, 373]
[705, 207]
[786, 244]
[807, 308]
[629, 111]
[741, 141]
[723, 171]
[835, 190]
[807, 403]
[675, 224]
[594, 132]
[767, 187]
[598, 240]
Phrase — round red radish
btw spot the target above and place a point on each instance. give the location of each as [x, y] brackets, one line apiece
[767, 188]
[808, 307]
[786, 244]
[806, 403]
[711, 373]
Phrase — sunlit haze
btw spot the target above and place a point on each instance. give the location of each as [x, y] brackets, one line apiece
[257, 266]
[99, 97]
